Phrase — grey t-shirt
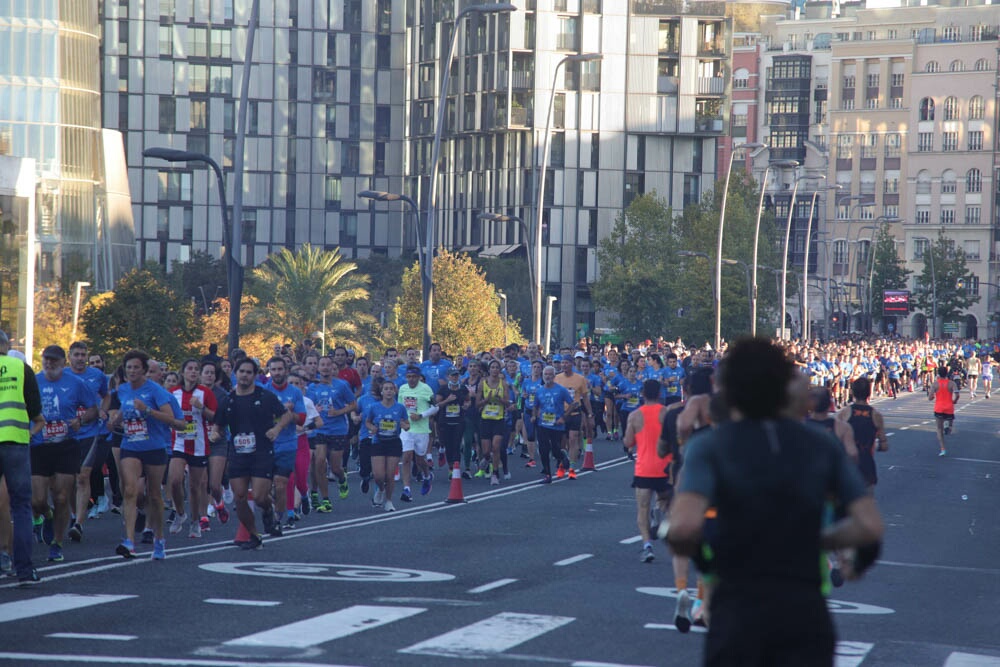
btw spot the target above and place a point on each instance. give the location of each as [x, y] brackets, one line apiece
[769, 481]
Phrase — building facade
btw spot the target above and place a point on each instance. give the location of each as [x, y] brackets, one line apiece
[878, 128]
[50, 100]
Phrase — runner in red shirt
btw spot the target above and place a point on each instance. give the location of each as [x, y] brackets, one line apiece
[190, 449]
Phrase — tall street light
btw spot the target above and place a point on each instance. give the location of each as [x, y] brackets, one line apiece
[572, 58]
[550, 301]
[431, 222]
[234, 270]
[718, 249]
[756, 238]
[784, 265]
[805, 263]
[930, 250]
[534, 276]
[424, 256]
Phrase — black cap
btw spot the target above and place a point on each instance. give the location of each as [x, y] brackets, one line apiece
[413, 369]
[54, 352]
[454, 370]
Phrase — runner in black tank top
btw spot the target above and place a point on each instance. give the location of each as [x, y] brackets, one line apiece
[868, 428]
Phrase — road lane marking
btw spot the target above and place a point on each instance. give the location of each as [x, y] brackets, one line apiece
[957, 458]
[947, 568]
[889, 435]
[490, 586]
[84, 635]
[489, 637]
[50, 604]
[114, 562]
[326, 627]
[572, 559]
[76, 658]
[590, 663]
[631, 540]
[243, 603]
[851, 654]
[971, 660]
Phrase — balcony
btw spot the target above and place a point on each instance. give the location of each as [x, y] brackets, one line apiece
[708, 123]
[520, 116]
[712, 48]
[522, 80]
[714, 85]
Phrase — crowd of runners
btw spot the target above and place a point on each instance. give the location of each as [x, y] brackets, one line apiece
[172, 450]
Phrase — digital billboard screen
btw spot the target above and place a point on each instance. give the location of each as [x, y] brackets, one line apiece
[895, 302]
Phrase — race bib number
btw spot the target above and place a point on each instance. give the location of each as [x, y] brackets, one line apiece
[190, 431]
[548, 419]
[453, 410]
[245, 443]
[491, 411]
[632, 402]
[387, 427]
[410, 402]
[136, 429]
[55, 430]
[80, 411]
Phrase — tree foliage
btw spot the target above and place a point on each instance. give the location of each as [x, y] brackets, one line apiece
[144, 312]
[650, 290]
[511, 276]
[948, 280]
[202, 279]
[53, 322]
[216, 330]
[466, 308]
[888, 270]
[296, 288]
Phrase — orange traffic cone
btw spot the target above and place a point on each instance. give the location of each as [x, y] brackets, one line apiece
[455, 492]
[242, 534]
[588, 457]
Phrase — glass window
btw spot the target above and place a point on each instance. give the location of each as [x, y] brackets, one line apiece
[166, 40]
[199, 114]
[333, 193]
[198, 78]
[197, 39]
[973, 181]
[976, 108]
[222, 79]
[951, 108]
[222, 46]
[168, 114]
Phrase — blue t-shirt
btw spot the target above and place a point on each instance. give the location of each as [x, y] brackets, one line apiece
[435, 372]
[673, 378]
[596, 387]
[634, 392]
[528, 389]
[62, 401]
[337, 395]
[388, 421]
[288, 439]
[142, 434]
[551, 402]
[98, 383]
[365, 402]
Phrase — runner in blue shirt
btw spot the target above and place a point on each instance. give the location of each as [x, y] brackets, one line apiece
[529, 388]
[551, 401]
[370, 397]
[68, 404]
[334, 400]
[92, 436]
[148, 412]
[385, 421]
[435, 368]
[286, 445]
[672, 378]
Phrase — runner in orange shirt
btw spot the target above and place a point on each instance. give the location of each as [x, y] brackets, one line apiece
[642, 433]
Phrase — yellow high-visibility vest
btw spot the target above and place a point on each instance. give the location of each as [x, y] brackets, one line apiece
[14, 421]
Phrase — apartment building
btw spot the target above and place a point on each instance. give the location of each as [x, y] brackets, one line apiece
[873, 70]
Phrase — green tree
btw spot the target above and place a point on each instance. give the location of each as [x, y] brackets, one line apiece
[888, 270]
[202, 279]
[636, 261]
[948, 280]
[466, 308]
[144, 312]
[294, 289]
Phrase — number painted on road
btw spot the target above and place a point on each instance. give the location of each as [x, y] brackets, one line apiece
[328, 572]
[835, 606]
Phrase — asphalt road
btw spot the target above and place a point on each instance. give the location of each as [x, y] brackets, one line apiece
[519, 574]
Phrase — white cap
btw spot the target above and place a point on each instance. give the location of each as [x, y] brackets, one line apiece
[18, 354]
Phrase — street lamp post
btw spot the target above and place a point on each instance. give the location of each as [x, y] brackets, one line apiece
[234, 270]
[784, 266]
[424, 256]
[503, 314]
[756, 238]
[80, 284]
[718, 249]
[534, 276]
[431, 223]
[930, 249]
[805, 263]
[540, 200]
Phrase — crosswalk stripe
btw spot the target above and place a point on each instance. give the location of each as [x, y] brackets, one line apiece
[958, 659]
[490, 586]
[50, 604]
[490, 636]
[243, 603]
[851, 654]
[98, 637]
[631, 540]
[326, 627]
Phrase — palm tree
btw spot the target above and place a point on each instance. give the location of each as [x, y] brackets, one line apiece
[296, 288]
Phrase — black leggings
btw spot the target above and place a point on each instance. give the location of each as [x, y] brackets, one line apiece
[550, 442]
[450, 436]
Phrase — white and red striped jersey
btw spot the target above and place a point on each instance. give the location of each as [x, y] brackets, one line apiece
[193, 439]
